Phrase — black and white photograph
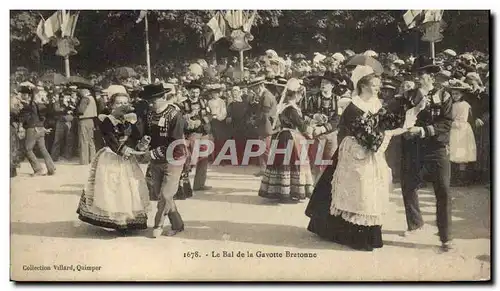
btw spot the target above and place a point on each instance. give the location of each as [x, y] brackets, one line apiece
[250, 145]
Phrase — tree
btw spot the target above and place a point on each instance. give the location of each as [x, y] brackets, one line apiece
[111, 38]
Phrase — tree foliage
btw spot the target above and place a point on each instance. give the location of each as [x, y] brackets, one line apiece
[113, 38]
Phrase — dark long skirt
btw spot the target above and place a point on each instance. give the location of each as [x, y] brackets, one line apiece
[335, 228]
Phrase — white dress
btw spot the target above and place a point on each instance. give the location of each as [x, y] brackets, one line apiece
[462, 141]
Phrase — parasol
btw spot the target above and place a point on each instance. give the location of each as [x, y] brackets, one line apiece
[362, 60]
[54, 78]
[27, 85]
[125, 72]
[80, 81]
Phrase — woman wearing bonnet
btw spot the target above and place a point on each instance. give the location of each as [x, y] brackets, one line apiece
[116, 195]
[284, 179]
[352, 194]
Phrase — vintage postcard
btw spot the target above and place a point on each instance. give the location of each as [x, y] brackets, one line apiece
[250, 145]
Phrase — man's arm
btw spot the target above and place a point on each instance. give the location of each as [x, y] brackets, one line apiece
[443, 122]
[176, 132]
[84, 102]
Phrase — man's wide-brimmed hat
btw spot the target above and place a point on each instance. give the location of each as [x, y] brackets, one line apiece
[391, 82]
[153, 91]
[424, 64]
[215, 87]
[256, 81]
[329, 76]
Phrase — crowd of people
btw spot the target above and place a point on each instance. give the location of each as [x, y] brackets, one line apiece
[427, 112]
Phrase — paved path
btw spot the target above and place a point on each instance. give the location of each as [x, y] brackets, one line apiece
[232, 218]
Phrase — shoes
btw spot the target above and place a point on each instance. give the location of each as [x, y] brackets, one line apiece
[51, 173]
[157, 232]
[173, 232]
[447, 247]
[39, 173]
[410, 233]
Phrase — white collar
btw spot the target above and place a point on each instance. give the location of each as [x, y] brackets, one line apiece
[372, 106]
[111, 118]
[129, 117]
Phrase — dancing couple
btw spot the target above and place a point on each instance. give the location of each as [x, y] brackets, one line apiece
[350, 198]
[117, 194]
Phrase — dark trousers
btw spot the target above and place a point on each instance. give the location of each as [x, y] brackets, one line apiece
[162, 179]
[421, 160]
[63, 137]
[200, 176]
[36, 136]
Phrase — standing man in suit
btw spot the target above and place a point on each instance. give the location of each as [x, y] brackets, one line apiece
[267, 113]
[87, 113]
[426, 152]
[198, 116]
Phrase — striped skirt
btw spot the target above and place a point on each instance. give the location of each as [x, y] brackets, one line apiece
[287, 178]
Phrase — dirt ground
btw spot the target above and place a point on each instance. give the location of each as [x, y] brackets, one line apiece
[230, 219]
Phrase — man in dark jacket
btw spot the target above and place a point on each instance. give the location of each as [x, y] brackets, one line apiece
[266, 116]
[165, 127]
[64, 112]
[426, 152]
[33, 121]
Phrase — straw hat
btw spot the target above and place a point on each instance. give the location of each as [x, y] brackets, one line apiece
[338, 57]
[114, 89]
[272, 54]
[370, 53]
[455, 84]
[450, 52]
[318, 57]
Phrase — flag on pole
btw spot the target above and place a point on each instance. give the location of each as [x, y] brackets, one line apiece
[410, 18]
[53, 24]
[217, 29]
[68, 27]
[416, 18]
[432, 16]
[40, 32]
[235, 18]
[249, 22]
[142, 14]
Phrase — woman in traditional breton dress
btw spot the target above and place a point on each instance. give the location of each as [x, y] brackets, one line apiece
[116, 195]
[284, 179]
[352, 194]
